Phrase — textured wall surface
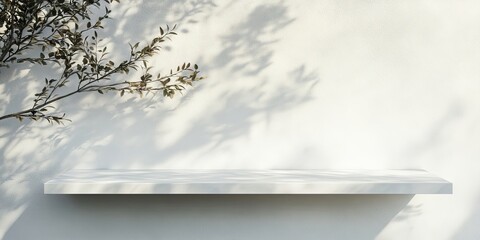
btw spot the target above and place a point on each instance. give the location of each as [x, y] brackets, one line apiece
[291, 84]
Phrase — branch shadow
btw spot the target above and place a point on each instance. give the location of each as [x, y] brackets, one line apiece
[153, 14]
[246, 48]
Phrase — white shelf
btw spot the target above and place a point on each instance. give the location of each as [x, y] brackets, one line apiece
[247, 182]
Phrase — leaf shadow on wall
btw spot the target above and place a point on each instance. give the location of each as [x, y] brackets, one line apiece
[229, 111]
[246, 49]
[142, 17]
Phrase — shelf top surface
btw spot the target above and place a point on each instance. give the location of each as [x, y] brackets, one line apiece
[247, 182]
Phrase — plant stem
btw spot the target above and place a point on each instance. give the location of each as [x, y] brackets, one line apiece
[11, 115]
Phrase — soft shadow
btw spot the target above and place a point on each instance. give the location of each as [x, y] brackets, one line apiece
[437, 136]
[470, 227]
[153, 14]
[246, 49]
[207, 217]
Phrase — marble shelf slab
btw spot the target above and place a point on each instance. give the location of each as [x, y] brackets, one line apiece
[247, 182]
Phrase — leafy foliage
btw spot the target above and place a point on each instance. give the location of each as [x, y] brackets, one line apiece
[65, 33]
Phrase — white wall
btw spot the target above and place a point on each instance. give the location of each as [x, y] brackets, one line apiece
[291, 84]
